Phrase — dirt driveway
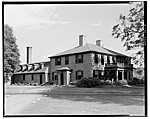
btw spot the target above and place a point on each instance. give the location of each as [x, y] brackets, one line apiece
[48, 100]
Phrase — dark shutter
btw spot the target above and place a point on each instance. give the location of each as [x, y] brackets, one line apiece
[93, 73]
[76, 75]
[96, 58]
[82, 58]
[82, 73]
[76, 58]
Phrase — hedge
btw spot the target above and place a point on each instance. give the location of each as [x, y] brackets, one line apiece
[88, 82]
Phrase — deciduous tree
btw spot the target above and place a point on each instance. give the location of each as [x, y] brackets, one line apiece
[11, 52]
[131, 31]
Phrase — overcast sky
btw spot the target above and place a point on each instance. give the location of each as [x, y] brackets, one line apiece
[51, 29]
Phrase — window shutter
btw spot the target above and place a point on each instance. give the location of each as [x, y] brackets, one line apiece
[76, 75]
[93, 73]
[76, 58]
[82, 73]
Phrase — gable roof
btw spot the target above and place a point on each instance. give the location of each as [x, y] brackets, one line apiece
[88, 48]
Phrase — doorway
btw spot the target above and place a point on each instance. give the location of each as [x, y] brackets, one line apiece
[40, 78]
[61, 79]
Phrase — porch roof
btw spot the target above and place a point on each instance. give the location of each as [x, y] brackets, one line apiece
[64, 69]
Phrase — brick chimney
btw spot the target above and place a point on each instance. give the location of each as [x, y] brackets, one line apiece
[29, 55]
[81, 38]
[99, 43]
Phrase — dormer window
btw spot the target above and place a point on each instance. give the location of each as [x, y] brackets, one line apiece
[58, 61]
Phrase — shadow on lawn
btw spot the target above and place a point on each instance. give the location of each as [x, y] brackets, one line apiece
[104, 99]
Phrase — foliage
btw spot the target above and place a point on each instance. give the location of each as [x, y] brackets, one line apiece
[132, 82]
[105, 82]
[88, 82]
[11, 52]
[131, 31]
[138, 73]
[121, 82]
[136, 81]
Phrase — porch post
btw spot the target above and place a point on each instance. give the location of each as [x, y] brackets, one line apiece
[123, 75]
[59, 78]
[127, 76]
[117, 75]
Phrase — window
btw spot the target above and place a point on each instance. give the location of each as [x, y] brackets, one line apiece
[79, 58]
[97, 73]
[32, 77]
[121, 60]
[113, 59]
[24, 77]
[58, 61]
[96, 58]
[53, 76]
[66, 60]
[108, 60]
[125, 75]
[102, 59]
[79, 74]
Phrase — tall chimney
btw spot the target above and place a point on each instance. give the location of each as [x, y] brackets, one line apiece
[81, 38]
[29, 55]
[99, 43]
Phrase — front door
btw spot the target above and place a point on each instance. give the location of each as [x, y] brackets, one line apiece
[41, 79]
[61, 78]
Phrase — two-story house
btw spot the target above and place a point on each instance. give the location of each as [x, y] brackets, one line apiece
[89, 61]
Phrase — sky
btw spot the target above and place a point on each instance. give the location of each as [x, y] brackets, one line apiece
[53, 28]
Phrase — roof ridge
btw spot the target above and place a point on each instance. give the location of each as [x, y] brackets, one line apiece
[88, 46]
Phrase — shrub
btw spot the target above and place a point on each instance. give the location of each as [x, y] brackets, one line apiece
[102, 82]
[136, 81]
[107, 82]
[51, 82]
[121, 82]
[74, 82]
[88, 82]
[132, 82]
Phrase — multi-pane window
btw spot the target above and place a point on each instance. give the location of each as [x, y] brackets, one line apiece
[108, 60]
[32, 77]
[113, 59]
[24, 77]
[121, 60]
[102, 59]
[66, 60]
[53, 76]
[79, 58]
[58, 61]
[96, 58]
[97, 73]
[79, 74]
[125, 75]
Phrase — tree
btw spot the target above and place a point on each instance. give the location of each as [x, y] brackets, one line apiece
[11, 52]
[131, 31]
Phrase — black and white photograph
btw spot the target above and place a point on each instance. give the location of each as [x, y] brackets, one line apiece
[74, 58]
